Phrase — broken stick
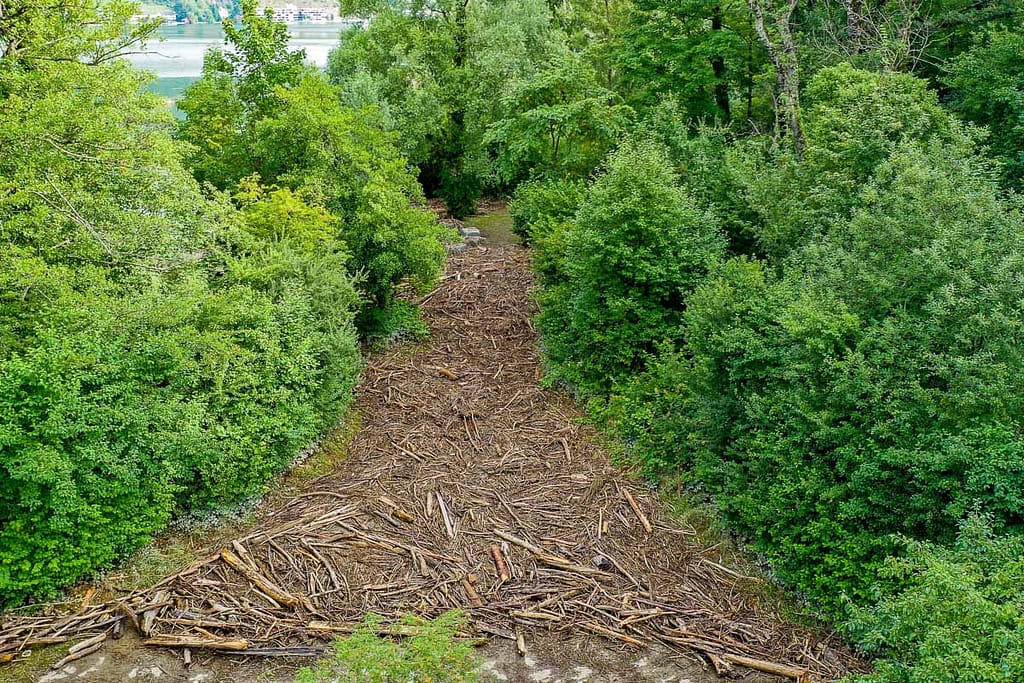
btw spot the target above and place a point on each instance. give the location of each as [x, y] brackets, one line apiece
[260, 581]
[499, 563]
[637, 511]
[799, 675]
[195, 642]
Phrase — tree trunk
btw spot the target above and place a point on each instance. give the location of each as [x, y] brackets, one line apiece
[853, 21]
[718, 68]
[784, 60]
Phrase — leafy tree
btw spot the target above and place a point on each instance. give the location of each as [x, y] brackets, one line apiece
[33, 35]
[441, 72]
[446, 24]
[319, 148]
[558, 122]
[854, 120]
[596, 29]
[398, 66]
[639, 245]
[237, 89]
[989, 90]
[703, 54]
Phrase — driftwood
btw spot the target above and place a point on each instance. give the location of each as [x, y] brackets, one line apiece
[260, 581]
[197, 643]
[797, 674]
[485, 494]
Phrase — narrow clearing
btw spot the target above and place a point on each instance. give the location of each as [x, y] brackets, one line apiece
[468, 487]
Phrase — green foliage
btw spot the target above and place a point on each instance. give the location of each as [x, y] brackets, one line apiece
[238, 89]
[430, 653]
[560, 122]
[160, 351]
[414, 66]
[703, 55]
[318, 147]
[402, 321]
[846, 399]
[957, 617]
[989, 90]
[398, 66]
[638, 247]
[442, 79]
[280, 215]
[853, 121]
[538, 202]
[337, 174]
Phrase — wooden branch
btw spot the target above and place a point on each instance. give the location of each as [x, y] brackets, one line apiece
[636, 510]
[196, 642]
[799, 675]
[260, 581]
[499, 563]
[444, 513]
[548, 558]
[615, 635]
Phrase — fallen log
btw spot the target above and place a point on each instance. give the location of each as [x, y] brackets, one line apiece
[263, 583]
[784, 670]
[196, 642]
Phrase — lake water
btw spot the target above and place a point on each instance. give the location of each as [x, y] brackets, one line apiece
[177, 60]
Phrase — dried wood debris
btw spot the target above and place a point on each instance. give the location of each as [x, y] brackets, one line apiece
[467, 487]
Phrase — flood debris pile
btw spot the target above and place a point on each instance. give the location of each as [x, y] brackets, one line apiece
[467, 487]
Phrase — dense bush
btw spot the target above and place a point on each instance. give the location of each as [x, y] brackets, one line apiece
[160, 350]
[848, 399]
[258, 115]
[540, 202]
[958, 619]
[989, 90]
[322, 149]
[637, 247]
[861, 380]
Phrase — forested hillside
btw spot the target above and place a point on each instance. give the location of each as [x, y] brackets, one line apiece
[779, 245]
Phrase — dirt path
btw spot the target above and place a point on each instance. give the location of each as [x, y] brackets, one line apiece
[464, 468]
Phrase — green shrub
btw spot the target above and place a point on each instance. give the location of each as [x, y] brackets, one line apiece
[538, 203]
[854, 120]
[636, 249]
[429, 653]
[989, 90]
[318, 148]
[126, 408]
[870, 388]
[401, 322]
[160, 351]
[958, 616]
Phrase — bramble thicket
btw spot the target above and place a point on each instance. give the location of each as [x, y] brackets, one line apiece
[779, 250]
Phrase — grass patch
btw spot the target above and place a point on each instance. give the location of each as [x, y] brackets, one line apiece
[29, 669]
[496, 227]
[428, 651]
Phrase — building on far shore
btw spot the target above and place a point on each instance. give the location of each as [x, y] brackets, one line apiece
[290, 14]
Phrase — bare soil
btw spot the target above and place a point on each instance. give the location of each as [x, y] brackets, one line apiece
[468, 486]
